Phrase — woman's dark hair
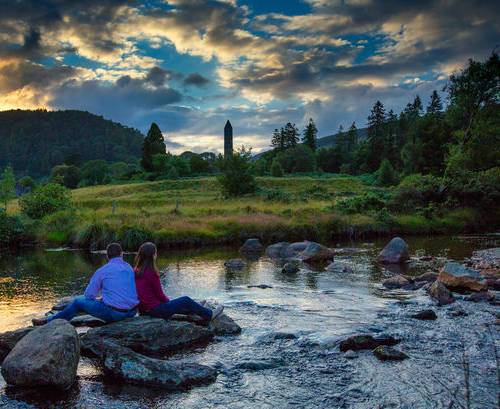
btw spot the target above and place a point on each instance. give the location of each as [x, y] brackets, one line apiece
[146, 259]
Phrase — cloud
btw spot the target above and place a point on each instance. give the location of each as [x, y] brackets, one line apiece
[196, 80]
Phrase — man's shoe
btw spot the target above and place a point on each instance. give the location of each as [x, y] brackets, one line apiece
[217, 312]
[39, 321]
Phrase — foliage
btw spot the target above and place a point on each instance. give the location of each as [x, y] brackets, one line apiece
[237, 179]
[297, 159]
[276, 169]
[67, 175]
[56, 137]
[329, 159]
[361, 203]
[7, 186]
[386, 175]
[11, 229]
[27, 183]
[153, 144]
[45, 200]
[287, 137]
[94, 172]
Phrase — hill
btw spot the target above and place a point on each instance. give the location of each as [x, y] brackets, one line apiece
[33, 142]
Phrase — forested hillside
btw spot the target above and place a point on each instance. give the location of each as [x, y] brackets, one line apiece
[33, 142]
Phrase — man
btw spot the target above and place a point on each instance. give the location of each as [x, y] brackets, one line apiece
[114, 282]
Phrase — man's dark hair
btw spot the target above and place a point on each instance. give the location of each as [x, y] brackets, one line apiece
[114, 250]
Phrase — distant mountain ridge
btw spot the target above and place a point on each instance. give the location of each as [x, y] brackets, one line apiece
[33, 142]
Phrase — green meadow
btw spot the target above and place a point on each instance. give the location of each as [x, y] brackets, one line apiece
[191, 212]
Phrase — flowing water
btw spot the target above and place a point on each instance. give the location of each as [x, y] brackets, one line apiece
[287, 354]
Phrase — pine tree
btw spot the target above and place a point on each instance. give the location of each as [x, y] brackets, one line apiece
[376, 136]
[417, 106]
[7, 186]
[278, 142]
[153, 144]
[352, 138]
[290, 135]
[309, 134]
[435, 105]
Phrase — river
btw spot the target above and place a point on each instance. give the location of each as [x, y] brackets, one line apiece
[290, 332]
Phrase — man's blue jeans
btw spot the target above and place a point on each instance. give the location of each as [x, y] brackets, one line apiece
[181, 305]
[95, 308]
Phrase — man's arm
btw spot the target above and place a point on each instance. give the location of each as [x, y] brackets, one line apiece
[94, 288]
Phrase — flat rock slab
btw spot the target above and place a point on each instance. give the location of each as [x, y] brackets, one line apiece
[87, 321]
[387, 353]
[130, 367]
[46, 356]
[146, 335]
[359, 342]
[9, 339]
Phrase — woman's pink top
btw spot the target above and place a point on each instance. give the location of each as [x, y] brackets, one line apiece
[149, 290]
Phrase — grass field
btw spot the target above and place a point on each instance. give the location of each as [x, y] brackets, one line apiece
[193, 211]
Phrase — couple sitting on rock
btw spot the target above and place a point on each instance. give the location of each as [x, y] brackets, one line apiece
[116, 291]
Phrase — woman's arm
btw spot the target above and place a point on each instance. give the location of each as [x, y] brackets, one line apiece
[157, 288]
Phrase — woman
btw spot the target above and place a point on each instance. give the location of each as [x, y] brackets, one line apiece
[152, 299]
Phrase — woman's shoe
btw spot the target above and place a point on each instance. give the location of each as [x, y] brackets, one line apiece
[203, 303]
[39, 321]
[217, 312]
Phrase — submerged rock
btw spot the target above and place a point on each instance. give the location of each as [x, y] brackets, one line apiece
[9, 339]
[146, 335]
[290, 268]
[395, 252]
[426, 315]
[235, 264]
[46, 356]
[259, 365]
[252, 246]
[387, 353]
[358, 342]
[339, 267]
[482, 296]
[128, 366]
[458, 277]
[261, 286]
[398, 281]
[308, 251]
[441, 294]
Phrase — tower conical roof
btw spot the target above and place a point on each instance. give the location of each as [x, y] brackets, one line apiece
[228, 125]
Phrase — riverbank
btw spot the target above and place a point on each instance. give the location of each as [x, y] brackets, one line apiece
[192, 212]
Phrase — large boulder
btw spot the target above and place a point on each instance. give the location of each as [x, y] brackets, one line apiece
[459, 278]
[316, 252]
[146, 335]
[395, 252]
[252, 246]
[46, 356]
[87, 321]
[397, 281]
[224, 325]
[277, 250]
[295, 249]
[358, 342]
[9, 339]
[440, 293]
[130, 367]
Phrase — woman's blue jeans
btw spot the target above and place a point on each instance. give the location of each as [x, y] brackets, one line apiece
[181, 305]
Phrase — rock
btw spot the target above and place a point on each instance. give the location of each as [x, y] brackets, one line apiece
[252, 246]
[350, 354]
[441, 294]
[398, 281]
[316, 252]
[235, 264]
[63, 303]
[259, 365]
[482, 296]
[426, 258]
[295, 249]
[128, 366]
[457, 277]
[493, 284]
[458, 313]
[261, 286]
[426, 315]
[87, 321]
[339, 267]
[9, 339]
[428, 277]
[224, 325]
[277, 250]
[46, 356]
[387, 353]
[395, 252]
[146, 335]
[290, 268]
[358, 342]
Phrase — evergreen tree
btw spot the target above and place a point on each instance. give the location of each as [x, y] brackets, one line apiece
[237, 178]
[352, 139]
[7, 186]
[309, 134]
[153, 144]
[276, 169]
[386, 175]
[435, 105]
[417, 106]
[376, 137]
[278, 141]
[341, 142]
[290, 135]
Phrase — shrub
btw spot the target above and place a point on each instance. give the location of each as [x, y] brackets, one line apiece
[237, 179]
[276, 195]
[298, 159]
[45, 200]
[132, 237]
[11, 229]
[95, 236]
[361, 203]
[276, 169]
[386, 176]
[172, 173]
[68, 176]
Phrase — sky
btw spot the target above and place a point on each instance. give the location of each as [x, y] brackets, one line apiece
[189, 65]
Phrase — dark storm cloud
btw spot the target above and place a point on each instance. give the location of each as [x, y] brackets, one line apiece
[196, 80]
